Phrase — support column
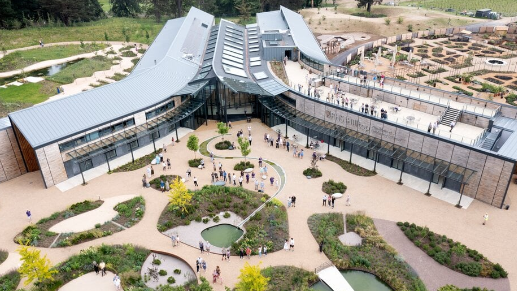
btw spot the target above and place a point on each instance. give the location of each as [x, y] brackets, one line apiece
[82, 175]
[375, 162]
[285, 126]
[132, 156]
[401, 171]
[429, 187]
[107, 161]
[308, 132]
[461, 196]
[154, 145]
[176, 128]
[351, 150]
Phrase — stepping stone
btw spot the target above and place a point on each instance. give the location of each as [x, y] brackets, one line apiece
[248, 170]
[337, 195]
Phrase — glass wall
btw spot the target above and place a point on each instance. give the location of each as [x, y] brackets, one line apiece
[312, 62]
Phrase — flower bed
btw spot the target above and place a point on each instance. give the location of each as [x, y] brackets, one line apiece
[138, 164]
[416, 75]
[288, 278]
[331, 187]
[451, 254]
[241, 166]
[155, 183]
[267, 227]
[39, 235]
[10, 281]
[351, 167]
[223, 145]
[194, 163]
[374, 255]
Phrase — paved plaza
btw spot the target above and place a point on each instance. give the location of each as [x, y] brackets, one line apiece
[377, 196]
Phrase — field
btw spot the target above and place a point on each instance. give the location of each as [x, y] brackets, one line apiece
[22, 59]
[507, 7]
[90, 31]
[16, 98]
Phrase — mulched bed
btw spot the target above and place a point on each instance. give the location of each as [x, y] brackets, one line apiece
[493, 80]
[351, 167]
[505, 78]
[39, 235]
[438, 55]
[453, 255]
[138, 164]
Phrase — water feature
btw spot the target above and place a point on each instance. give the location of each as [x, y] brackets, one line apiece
[360, 281]
[45, 72]
[222, 235]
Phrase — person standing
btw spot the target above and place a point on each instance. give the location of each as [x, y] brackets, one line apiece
[152, 171]
[240, 181]
[324, 200]
[162, 185]
[321, 247]
[149, 172]
[234, 178]
[204, 266]
[241, 253]
[291, 245]
[265, 250]
[248, 252]
[201, 246]
[293, 200]
[429, 127]
[485, 218]
[453, 123]
[329, 201]
[348, 200]
[173, 239]
[178, 240]
[169, 164]
[286, 246]
[256, 184]
[262, 186]
[96, 267]
[29, 215]
[224, 175]
[287, 144]
[260, 251]
[260, 162]
[272, 180]
[333, 200]
[289, 202]
[249, 139]
[195, 181]
[247, 178]
[228, 254]
[197, 265]
[249, 129]
[102, 268]
[207, 247]
[223, 253]
[116, 282]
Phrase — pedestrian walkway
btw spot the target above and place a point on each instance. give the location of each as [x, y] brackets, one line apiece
[333, 278]
[91, 281]
[11, 263]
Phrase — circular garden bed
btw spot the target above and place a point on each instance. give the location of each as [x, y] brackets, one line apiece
[223, 145]
[331, 187]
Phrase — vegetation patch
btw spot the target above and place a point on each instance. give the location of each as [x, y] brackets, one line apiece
[21, 59]
[15, 98]
[118, 76]
[38, 234]
[454, 288]
[369, 15]
[138, 163]
[241, 166]
[223, 145]
[416, 74]
[462, 91]
[331, 187]
[83, 68]
[10, 281]
[279, 71]
[3, 256]
[510, 99]
[312, 172]
[194, 163]
[434, 71]
[351, 167]
[155, 183]
[285, 278]
[451, 254]
[267, 227]
[374, 255]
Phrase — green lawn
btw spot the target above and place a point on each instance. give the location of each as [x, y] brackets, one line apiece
[507, 7]
[89, 31]
[83, 68]
[22, 59]
[15, 98]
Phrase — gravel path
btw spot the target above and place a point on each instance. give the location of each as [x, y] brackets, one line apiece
[432, 273]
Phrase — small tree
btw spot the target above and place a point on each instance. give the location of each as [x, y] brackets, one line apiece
[147, 36]
[106, 37]
[179, 197]
[245, 147]
[34, 266]
[193, 144]
[251, 279]
[222, 129]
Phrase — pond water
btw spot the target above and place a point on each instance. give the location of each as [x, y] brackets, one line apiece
[48, 71]
[222, 235]
[360, 281]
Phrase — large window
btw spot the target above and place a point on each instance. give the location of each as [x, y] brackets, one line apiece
[312, 63]
[96, 134]
[111, 154]
[86, 165]
[160, 110]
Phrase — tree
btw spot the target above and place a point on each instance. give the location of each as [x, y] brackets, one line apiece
[125, 8]
[251, 279]
[193, 144]
[244, 146]
[244, 11]
[222, 129]
[179, 197]
[34, 267]
[365, 3]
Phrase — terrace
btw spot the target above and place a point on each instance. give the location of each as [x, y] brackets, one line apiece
[462, 132]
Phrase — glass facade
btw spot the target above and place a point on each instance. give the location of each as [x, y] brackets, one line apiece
[312, 62]
[166, 107]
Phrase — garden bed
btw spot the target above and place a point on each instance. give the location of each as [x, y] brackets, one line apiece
[286, 278]
[138, 164]
[3, 256]
[155, 183]
[351, 167]
[267, 227]
[374, 255]
[451, 254]
[312, 172]
[10, 281]
[223, 145]
[241, 166]
[331, 187]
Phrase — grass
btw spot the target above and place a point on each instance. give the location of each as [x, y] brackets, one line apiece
[83, 68]
[15, 98]
[507, 7]
[22, 59]
[451, 254]
[374, 255]
[139, 163]
[88, 31]
[351, 167]
[286, 278]
[9, 281]
[118, 76]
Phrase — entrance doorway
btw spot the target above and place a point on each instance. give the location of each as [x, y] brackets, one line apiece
[288, 54]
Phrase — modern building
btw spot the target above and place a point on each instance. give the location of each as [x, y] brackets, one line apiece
[197, 70]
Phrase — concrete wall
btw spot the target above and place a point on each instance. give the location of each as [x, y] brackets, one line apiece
[11, 161]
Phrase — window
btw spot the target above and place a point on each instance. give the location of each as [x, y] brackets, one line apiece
[155, 135]
[312, 62]
[160, 110]
[111, 154]
[133, 144]
[86, 165]
[171, 128]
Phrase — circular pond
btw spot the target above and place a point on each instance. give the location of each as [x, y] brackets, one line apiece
[222, 235]
[360, 281]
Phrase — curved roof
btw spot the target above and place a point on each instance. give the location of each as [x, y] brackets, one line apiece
[147, 86]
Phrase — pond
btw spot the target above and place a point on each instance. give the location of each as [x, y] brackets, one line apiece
[222, 235]
[48, 71]
[360, 281]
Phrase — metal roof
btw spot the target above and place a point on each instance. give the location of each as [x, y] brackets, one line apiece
[56, 120]
[271, 20]
[5, 123]
[509, 148]
[302, 35]
[273, 86]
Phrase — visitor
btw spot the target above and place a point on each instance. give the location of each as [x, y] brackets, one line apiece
[178, 240]
[197, 265]
[333, 201]
[272, 180]
[167, 185]
[324, 200]
[265, 170]
[173, 239]
[260, 251]
[204, 266]
[223, 253]
[189, 172]
[102, 268]
[240, 181]
[202, 164]
[116, 282]
[249, 130]
[429, 127]
[249, 139]
[148, 170]
[260, 162]
[277, 183]
[265, 250]
[286, 246]
[301, 154]
[162, 185]
[289, 202]
[248, 252]
[207, 247]
[293, 201]
[485, 218]
[247, 178]
[218, 272]
[348, 200]
[172, 141]
[287, 144]
[29, 215]
[195, 182]
[95, 267]
[241, 253]
[144, 181]
[329, 200]
[164, 166]
[261, 186]
[161, 157]
[152, 171]
[321, 247]
[234, 178]
[164, 148]
[168, 163]
[291, 245]
[224, 175]
[230, 124]
[453, 124]
[228, 254]
[435, 125]
[201, 246]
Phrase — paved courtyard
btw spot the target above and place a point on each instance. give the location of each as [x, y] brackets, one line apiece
[377, 196]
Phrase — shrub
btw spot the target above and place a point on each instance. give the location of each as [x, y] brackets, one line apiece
[312, 172]
[194, 163]
[498, 269]
[400, 20]
[442, 257]
[177, 271]
[206, 220]
[162, 272]
[226, 215]
[157, 262]
[129, 278]
[472, 269]
[171, 280]
[331, 187]
[10, 281]
[241, 166]
[216, 219]
[223, 145]
[387, 21]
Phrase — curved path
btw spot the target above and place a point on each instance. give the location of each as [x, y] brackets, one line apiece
[88, 220]
[377, 196]
[12, 262]
[91, 281]
[432, 273]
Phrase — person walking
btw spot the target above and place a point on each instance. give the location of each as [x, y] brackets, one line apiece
[223, 253]
[240, 181]
[291, 245]
[241, 253]
[224, 175]
[329, 201]
[287, 144]
[256, 184]
[272, 180]
[207, 248]
[324, 200]
[173, 239]
[195, 182]
[152, 171]
[247, 178]
[262, 186]
[234, 178]
[260, 162]
[348, 200]
[162, 185]
[293, 200]
[286, 246]
[248, 252]
[249, 139]
[96, 267]
[265, 250]
[485, 218]
[228, 254]
[435, 125]
[429, 127]
[178, 240]
[201, 246]
[148, 170]
[289, 202]
[169, 164]
[29, 215]
[260, 251]
[102, 268]
[197, 265]
[116, 282]
[189, 172]
[321, 247]
[333, 200]
[453, 123]
[204, 266]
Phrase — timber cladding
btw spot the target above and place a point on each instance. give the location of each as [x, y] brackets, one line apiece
[27, 151]
[11, 163]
